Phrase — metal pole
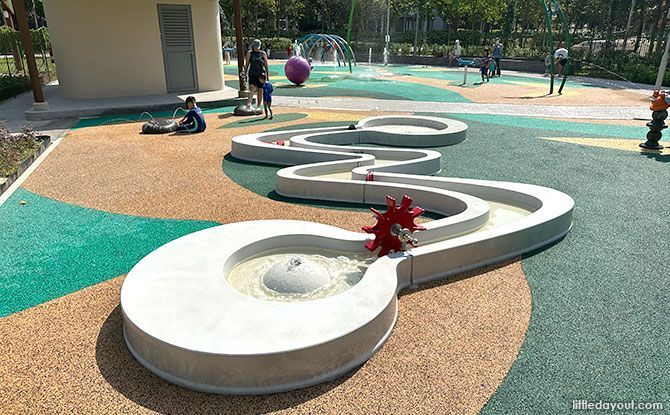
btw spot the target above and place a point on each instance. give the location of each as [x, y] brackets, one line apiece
[550, 41]
[351, 18]
[568, 44]
[22, 18]
[45, 53]
[664, 62]
[239, 40]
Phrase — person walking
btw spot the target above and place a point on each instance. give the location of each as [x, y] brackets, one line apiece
[226, 51]
[255, 67]
[497, 54]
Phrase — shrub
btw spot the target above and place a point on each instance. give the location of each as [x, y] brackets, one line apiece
[278, 43]
[11, 86]
[9, 37]
[619, 64]
[15, 148]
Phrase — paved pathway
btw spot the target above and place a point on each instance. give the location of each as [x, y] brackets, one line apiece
[550, 111]
[12, 113]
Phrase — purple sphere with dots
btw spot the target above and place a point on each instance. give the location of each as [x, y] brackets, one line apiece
[297, 69]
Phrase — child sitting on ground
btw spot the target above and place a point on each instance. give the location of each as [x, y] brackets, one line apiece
[267, 95]
[193, 121]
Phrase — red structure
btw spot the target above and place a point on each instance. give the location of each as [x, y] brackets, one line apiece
[388, 223]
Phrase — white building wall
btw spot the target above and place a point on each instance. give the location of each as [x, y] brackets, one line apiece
[111, 48]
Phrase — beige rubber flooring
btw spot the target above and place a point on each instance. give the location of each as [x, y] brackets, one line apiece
[116, 169]
[521, 92]
[453, 344]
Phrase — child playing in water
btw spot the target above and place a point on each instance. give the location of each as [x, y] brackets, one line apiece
[267, 96]
[193, 121]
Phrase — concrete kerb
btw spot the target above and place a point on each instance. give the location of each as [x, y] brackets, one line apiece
[82, 111]
[33, 166]
[260, 332]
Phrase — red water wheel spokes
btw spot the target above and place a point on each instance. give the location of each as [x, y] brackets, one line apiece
[402, 216]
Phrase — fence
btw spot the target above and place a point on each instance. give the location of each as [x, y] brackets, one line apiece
[14, 78]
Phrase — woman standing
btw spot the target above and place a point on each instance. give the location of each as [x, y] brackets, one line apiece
[256, 66]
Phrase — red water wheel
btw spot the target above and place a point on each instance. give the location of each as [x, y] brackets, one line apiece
[401, 216]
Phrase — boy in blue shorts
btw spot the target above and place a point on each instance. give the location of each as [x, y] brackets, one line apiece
[267, 95]
[193, 121]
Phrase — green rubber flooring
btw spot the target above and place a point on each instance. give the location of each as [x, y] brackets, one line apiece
[252, 121]
[364, 83]
[49, 249]
[601, 308]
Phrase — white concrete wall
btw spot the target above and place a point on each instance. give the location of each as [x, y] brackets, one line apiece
[106, 48]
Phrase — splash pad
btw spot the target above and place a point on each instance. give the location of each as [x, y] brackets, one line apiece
[193, 319]
[316, 48]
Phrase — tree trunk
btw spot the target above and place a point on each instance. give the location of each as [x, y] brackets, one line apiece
[638, 39]
[514, 23]
[658, 38]
[610, 26]
[630, 19]
[448, 33]
[654, 27]
[417, 27]
[416, 33]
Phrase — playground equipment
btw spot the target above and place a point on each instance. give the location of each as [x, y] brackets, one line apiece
[297, 69]
[657, 125]
[267, 306]
[465, 63]
[552, 9]
[339, 46]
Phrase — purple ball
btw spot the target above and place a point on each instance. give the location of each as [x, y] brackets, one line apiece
[297, 69]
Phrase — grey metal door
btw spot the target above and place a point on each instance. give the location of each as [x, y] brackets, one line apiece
[178, 49]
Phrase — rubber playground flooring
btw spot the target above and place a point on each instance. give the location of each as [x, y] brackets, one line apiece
[585, 318]
[436, 84]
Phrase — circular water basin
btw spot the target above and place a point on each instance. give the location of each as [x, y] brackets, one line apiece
[298, 274]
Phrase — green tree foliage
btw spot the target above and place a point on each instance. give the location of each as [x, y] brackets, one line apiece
[599, 28]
